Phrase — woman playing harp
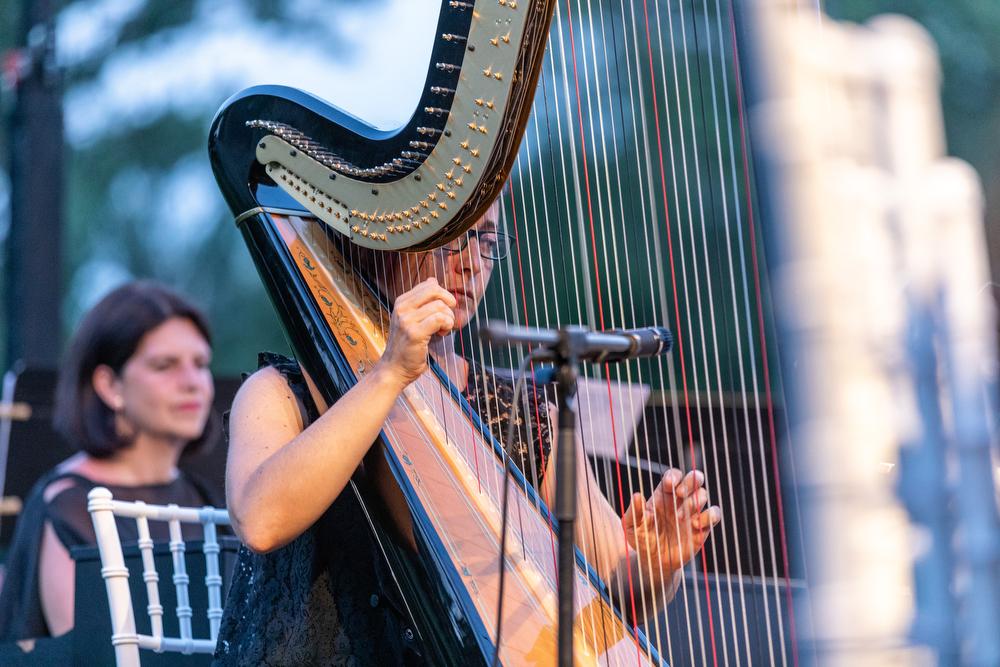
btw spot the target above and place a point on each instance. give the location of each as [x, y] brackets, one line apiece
[308, 589]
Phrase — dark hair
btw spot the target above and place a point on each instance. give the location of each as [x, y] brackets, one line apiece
[109, 335]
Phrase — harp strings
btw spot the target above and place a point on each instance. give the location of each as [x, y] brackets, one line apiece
[642, 183]
[709, 347]
[699, 282]
[685, 326]
[612, 274]
[706, 334]
[697, 633]
[737, 331]
[632, 372]
[602, 221]
[601, 286]
[684, 197]
[775, 520]
[755, 273]
[523, 174]
[723, 111]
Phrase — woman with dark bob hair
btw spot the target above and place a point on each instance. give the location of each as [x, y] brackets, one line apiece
[134, 393]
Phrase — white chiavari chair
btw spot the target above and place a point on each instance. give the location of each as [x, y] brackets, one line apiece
[126, 640]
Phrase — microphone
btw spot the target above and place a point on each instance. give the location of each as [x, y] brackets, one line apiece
[586, 345]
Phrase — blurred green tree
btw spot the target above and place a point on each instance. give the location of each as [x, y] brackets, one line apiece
[143, 80]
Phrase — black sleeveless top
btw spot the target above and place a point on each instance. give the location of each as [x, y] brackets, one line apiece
[20, 604]
[327, 598]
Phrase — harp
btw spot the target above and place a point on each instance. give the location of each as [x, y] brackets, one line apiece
[632, 196]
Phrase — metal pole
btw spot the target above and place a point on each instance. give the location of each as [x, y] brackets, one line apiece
[34, 249]
[566, 488]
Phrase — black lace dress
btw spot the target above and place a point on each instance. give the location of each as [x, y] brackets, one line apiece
[491, 395]
[326, 597]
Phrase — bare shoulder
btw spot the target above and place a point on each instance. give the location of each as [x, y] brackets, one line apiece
[265, 399]
[266, 380]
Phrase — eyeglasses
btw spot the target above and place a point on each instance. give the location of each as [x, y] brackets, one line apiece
[493, 246]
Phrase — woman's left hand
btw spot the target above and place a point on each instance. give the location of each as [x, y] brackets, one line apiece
[669, 528]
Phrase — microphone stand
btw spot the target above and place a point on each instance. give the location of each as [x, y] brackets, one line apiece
[568, 357]
[565, 348]
[564, 352]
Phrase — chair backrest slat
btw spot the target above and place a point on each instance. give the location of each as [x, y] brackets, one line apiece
[213, 580]
[181, 580]
[150, 576]
[126, 640]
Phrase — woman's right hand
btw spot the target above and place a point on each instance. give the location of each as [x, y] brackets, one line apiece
[418, 314]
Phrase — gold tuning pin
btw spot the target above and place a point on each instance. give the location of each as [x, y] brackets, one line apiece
[495, 41]
[506, 38]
